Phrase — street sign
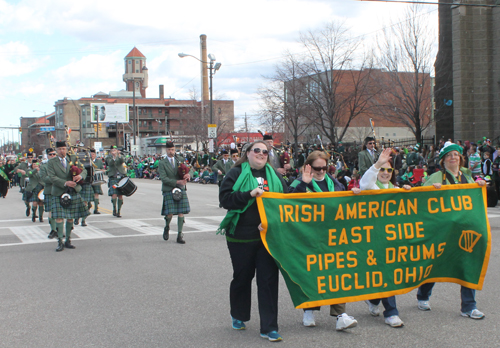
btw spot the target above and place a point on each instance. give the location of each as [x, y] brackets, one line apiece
[47, 129]
[212, 131]
[211, 146]
[98, 145]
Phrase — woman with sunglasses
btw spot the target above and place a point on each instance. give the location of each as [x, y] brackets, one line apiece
[250, 176]
[315, 178]
[381, 176]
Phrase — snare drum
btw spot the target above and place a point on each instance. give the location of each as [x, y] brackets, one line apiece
[98, 178]
[126, 186]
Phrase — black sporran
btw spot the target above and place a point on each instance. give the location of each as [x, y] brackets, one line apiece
[177, 194]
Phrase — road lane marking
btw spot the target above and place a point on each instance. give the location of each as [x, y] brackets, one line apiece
[30, 234]
[139, 226]
[90, 232]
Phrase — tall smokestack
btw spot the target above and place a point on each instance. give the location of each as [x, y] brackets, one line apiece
[162, 95]
[204, 70]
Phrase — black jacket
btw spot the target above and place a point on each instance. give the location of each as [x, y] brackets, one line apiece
[247, 227]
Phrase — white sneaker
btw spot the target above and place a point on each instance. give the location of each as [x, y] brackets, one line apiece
[308, 319]
[473, 314]
[424, 305]
[345, 321]
[394, 321]
[374, 310]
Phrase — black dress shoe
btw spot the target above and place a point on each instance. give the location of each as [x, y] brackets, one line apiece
[60, 245]
[68, 245]
[96, 212]
[114, 212]
[84, 223]
[179, 238]
[118, 215]
[33, 218]
[27, 211]
[41, 218]
[166, 232]
[52, 234]
[76, 222]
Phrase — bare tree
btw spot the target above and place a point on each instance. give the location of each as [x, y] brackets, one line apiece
[405, 52]
[284, 101]
[338, 81]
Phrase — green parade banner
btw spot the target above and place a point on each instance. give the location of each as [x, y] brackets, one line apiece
[337, 247]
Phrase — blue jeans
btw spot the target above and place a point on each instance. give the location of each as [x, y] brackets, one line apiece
[389, 305]
[468, 296]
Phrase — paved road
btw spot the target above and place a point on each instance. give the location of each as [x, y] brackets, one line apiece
[125, 287]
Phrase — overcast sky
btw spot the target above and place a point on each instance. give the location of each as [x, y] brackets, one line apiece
[53, 49]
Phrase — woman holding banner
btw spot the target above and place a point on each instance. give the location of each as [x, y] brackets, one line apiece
[250, 176]
[381, 176]
[316, 179]
[452, 172]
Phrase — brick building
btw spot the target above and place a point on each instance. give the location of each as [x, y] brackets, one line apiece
[155, 116]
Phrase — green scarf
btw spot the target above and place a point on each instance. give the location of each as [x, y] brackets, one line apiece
[329, 184]
[382, 187]
[247, 182]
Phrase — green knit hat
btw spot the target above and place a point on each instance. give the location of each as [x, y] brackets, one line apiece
[448, 147]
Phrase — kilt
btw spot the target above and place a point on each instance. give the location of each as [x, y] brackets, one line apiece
[97, 189]
[36, 191]
[75, 211]
[175, 207]
[47, 202]
[111, 190]
[87, 193]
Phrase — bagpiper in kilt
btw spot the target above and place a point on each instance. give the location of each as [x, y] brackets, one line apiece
[169, 176]
[22, 169]
[47, 192]
[115, 166]
[97, 163]
[32, 190]
[60, 172]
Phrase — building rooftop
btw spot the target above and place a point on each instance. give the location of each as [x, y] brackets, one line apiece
[135, 53]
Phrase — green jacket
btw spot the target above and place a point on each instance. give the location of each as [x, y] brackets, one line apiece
[365, 161]
[59, 175]
[115, 166]
[168, 175]
[35, 179]
[224, 168]
[22, 166]
[99, 163]
[44, 176]
[437, 178]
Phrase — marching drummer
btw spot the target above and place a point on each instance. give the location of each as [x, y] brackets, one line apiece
[87, 193]
[115, 165]
[22, 169]
[175, 200]
[98, 165]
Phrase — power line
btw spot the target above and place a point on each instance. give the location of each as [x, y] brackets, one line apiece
[432, 3]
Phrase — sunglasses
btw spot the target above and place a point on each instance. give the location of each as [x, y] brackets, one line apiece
[52, 154]
[370, 143]
[389, 170]
[259, 150]
[318, 169]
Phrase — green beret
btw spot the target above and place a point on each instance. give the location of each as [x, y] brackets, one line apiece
[448, 148]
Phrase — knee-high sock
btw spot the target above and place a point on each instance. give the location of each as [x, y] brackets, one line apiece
[69, 227]
[120, 203]
[89, 205]
[167, 221]
[60, 229]
[52, 223]
[113, 201]
[180, 223]
[40, 210]
[96, 203]
[33, 209]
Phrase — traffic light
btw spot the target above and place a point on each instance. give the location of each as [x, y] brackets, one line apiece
[20, 129]
[100, 127]
[95, 128]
